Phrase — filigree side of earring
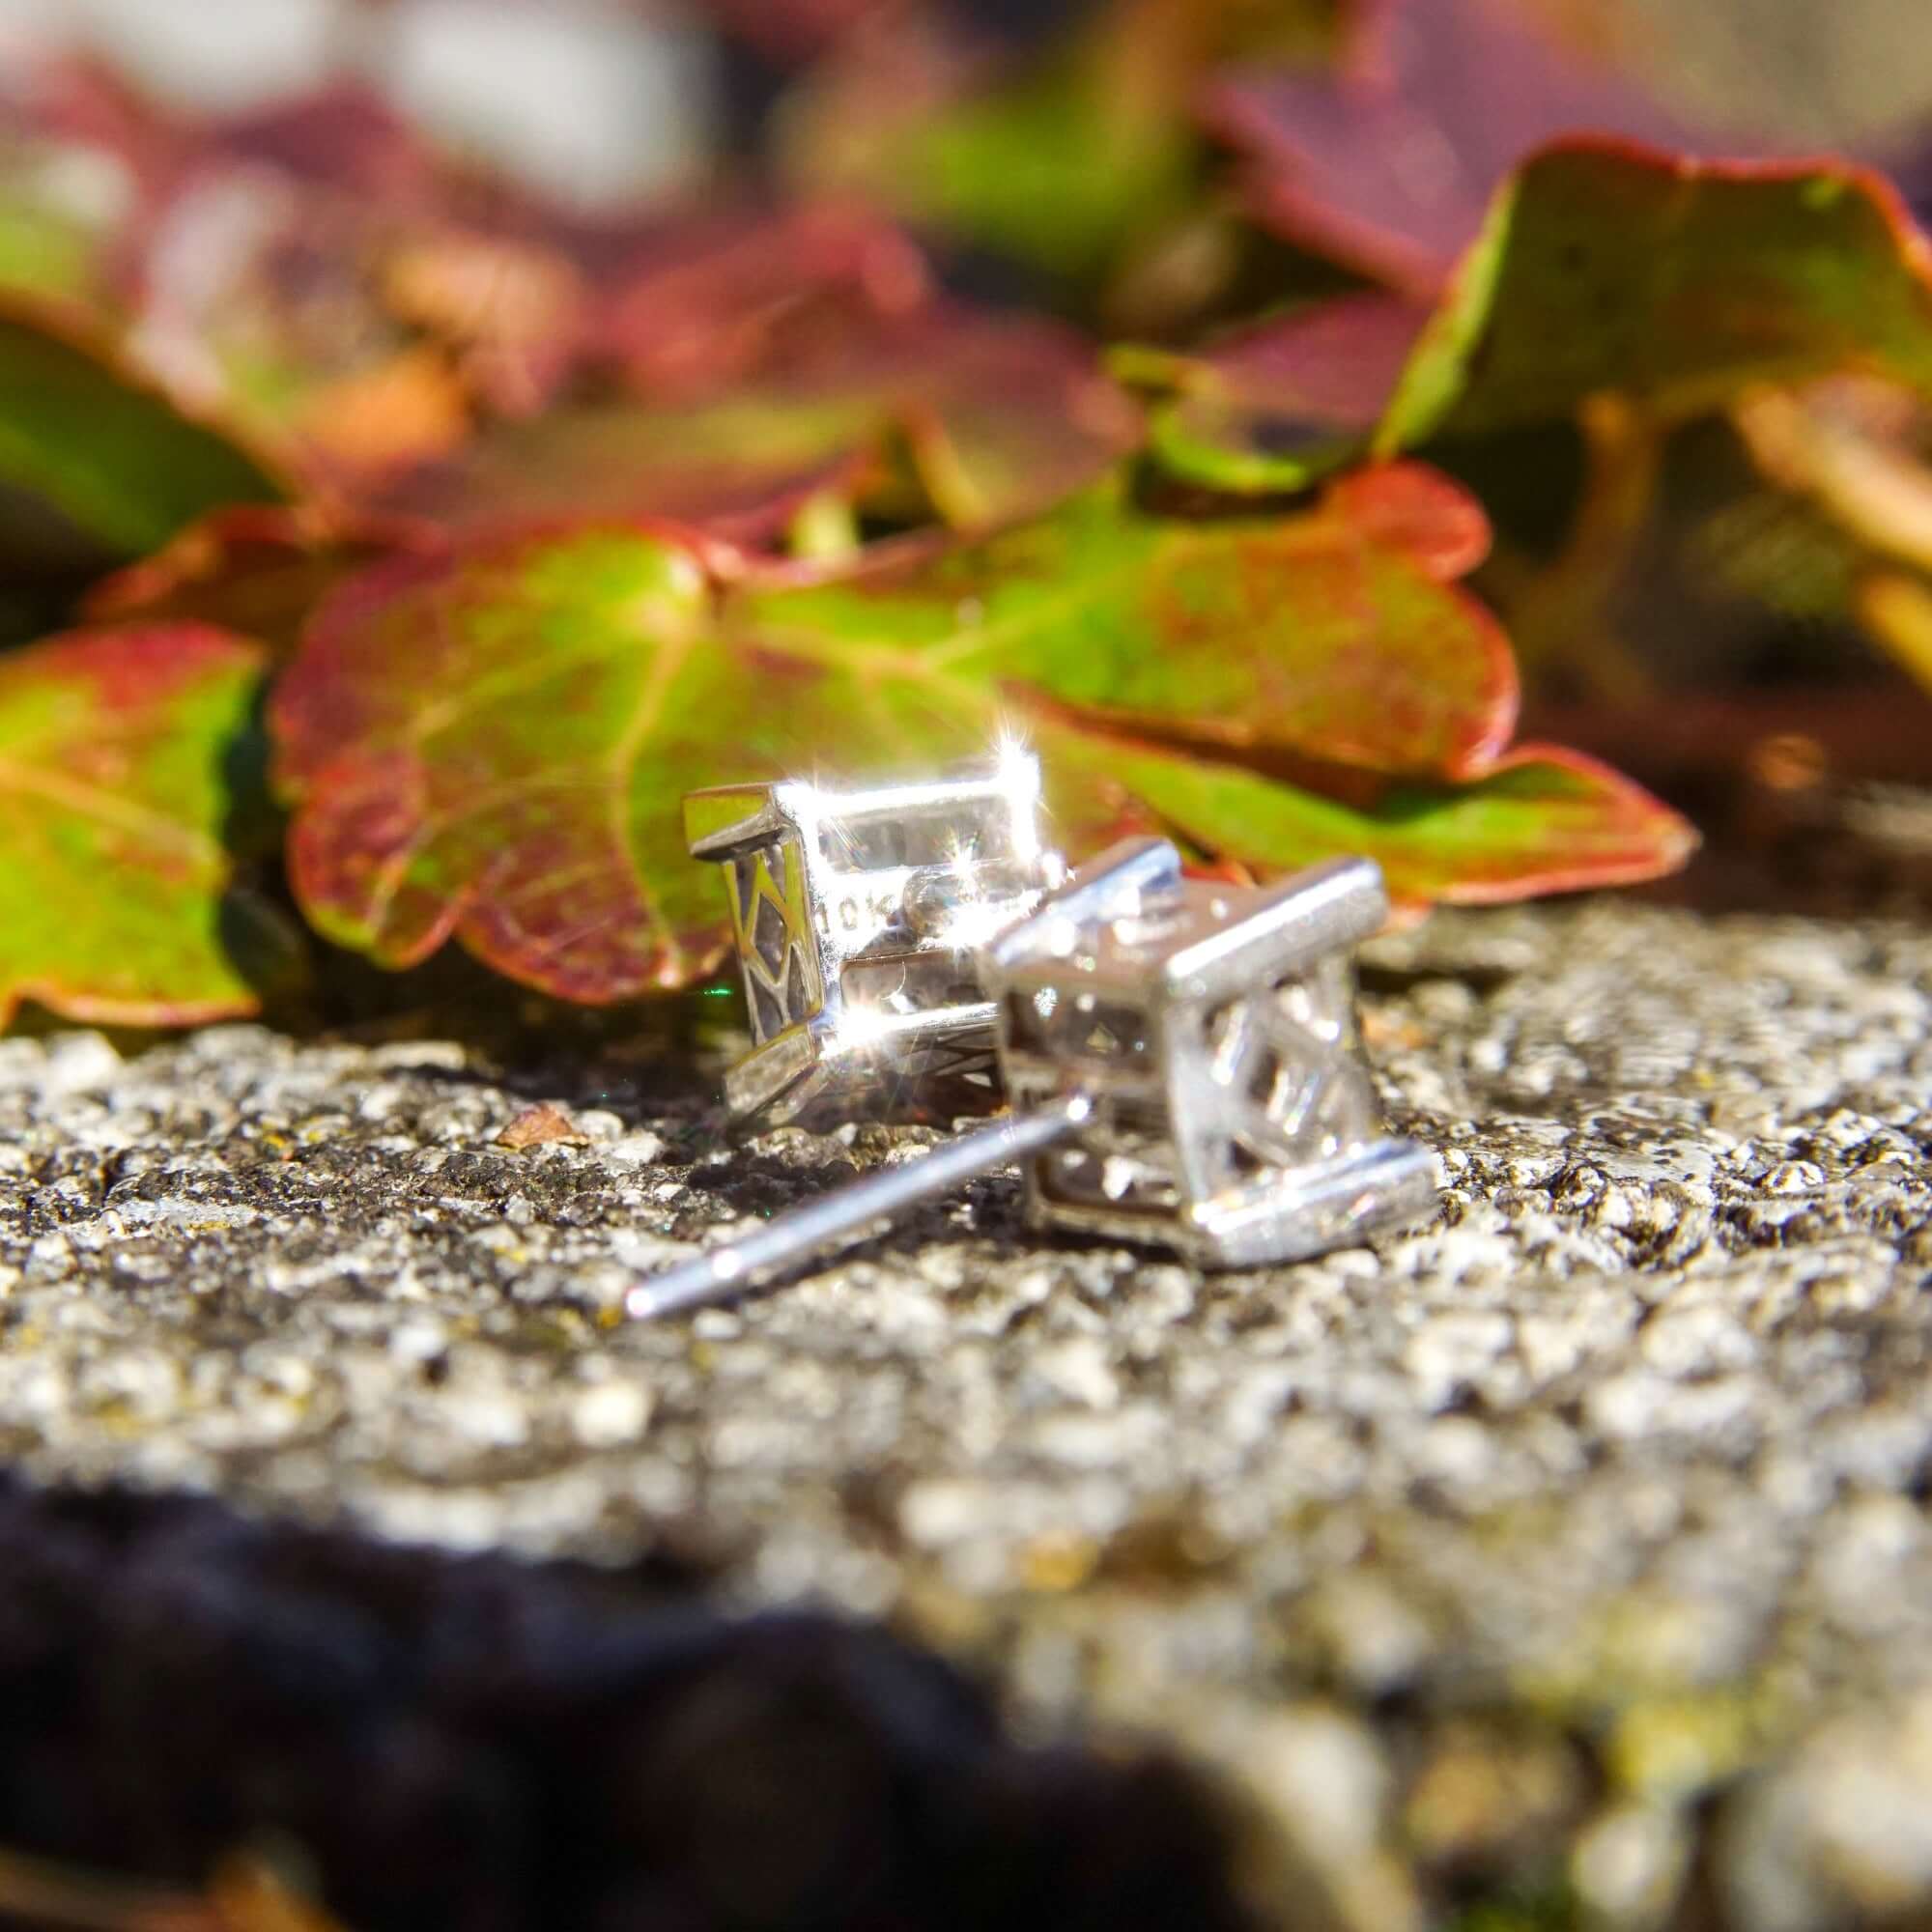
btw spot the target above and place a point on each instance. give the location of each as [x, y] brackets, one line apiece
[1211, 1032]
[857, 915]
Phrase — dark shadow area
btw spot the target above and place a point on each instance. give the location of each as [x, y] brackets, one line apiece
[477, 1743]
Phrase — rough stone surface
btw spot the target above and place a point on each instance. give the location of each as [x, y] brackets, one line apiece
[1570, 1551]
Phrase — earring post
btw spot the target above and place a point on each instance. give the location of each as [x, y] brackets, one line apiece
[742, 1267]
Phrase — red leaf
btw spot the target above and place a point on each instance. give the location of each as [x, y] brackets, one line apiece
[258, 570]
[318, 271]
[1275, 405]
[708, 303]
[343, 135]
[1410, 507]
[442, 752]
[626, 461]
[1335, 362]
[81, 102]
[998, 417]
[794, 29]
[1390, 166]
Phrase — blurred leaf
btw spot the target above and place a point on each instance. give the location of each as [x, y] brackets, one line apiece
[1674, 283]
[122, 770]
[1053, 161]
[742, 469]
[359, 340]
[1858, 449]
[788, 29]
[1277, 404]
[1897, 611]
[59, 210]
[1603, 270]
[493, 747]
[84, 432]
[1388, 165]
[754, 355]
[82, 159]
[1776, 551]
[315, 275]
[793, 30]
[256, 570]
[316, 272]
[85, 156]
[700, 305]
[1411, 508]
[379, 346]
[342, 134]
[998, 417]
[370, 334]
[1858, 453]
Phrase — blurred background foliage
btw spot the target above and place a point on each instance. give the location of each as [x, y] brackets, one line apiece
[1051, 152]
[294, 285]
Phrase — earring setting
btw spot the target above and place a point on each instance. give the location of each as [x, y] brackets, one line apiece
[1180, 1057]
[1211, 1030]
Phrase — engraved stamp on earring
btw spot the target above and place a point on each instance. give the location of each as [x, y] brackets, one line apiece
[856, 915]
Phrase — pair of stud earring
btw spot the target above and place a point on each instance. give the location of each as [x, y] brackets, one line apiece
[1179, 1057]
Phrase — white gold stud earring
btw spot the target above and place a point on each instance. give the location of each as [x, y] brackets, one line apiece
[1184, 1068]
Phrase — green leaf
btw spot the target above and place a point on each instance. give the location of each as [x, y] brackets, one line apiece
[1677, 283]
[1057, 163]
[493, 747]
[44, 250]
[1540, 820]
[1328, 633]
[124, 765]
[79, 428]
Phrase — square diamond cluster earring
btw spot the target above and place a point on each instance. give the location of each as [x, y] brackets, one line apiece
[1181, 1056]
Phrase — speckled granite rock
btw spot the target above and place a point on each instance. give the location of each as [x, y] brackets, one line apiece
[1571, 1552]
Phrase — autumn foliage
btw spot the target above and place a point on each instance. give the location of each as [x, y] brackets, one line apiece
[419, 542]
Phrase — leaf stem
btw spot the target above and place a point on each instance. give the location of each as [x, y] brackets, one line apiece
[1563, 619]
[826, 527]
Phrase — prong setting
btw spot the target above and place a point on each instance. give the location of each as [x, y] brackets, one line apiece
[1214, 1029]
